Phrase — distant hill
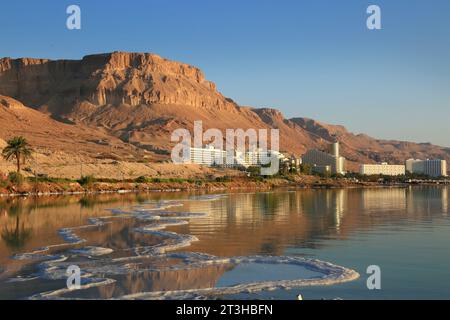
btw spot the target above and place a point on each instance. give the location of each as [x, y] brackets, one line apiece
[46, 133]
[140, 98]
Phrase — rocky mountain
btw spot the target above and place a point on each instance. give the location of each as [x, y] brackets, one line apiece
[140, 98]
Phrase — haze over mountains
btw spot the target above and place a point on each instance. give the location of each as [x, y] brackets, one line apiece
[133, 102]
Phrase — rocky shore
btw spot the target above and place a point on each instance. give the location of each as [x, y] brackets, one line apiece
[174, 185]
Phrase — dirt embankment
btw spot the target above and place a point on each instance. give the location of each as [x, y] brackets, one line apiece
[237, 183]
[100, 187]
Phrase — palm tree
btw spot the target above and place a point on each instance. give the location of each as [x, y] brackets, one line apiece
[18, 148]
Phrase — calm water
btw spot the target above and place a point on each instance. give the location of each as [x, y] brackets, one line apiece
[404, 231]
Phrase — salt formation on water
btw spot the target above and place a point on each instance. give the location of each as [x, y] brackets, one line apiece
[92, 251]
[332, 274]
[100, 268]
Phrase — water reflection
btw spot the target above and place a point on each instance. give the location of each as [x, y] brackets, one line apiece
[385, 199]
[239, 224]
[149, 281]
[256, 223]
[16, 238]
[15, 235]
[444, 201]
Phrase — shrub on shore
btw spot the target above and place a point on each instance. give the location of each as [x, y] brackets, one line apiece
[143, 179]
[224, 179]
[16, 178]
[50, 180]
[86, 180]
[3, 183]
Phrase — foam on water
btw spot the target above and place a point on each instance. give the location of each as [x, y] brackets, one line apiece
[21, 279]
[330, 274]
[69, 236]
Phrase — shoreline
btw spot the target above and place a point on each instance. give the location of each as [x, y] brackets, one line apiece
[71, 188]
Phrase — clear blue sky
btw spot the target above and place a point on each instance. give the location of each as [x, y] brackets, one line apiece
[313, 58]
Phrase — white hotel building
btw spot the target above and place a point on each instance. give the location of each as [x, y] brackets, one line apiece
[432, 168]
[210, 156]
[382, 169]
[258, 157]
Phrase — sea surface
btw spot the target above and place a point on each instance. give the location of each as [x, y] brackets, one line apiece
[186, 245]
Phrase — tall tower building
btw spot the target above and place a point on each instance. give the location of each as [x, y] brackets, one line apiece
[330, 157]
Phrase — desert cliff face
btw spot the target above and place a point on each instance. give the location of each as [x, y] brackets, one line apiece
[107, 79]
[140, 98]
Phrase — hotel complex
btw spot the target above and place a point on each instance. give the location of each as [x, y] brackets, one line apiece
[432, 168]
[258, 157]
[382, 169]
[210, 156]
[325, 161]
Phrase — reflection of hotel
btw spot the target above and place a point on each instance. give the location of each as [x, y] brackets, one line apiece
[421, 200]
[384, 199]
[339, 206]
[444, 200]
[382, 169]
[324, 161]
[432, 168]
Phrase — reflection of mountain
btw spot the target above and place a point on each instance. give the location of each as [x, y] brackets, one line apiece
[148, 281]
[45, 216]
[239, 224]
[243, 224]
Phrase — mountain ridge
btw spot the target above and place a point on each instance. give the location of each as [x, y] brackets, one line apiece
[140, 98]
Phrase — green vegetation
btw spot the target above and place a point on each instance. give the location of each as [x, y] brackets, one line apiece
[224, 179]
[391, 179]
[110, 180]
[305, 169]
[17, 148]
[143, 179]
[3, 183]
[50, 180]
[87, 180]
[16, 178]
[253, 171]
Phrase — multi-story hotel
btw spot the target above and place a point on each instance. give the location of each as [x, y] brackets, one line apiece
[208, 156]
[432, 168]
[259, 157]
[414, 166]
[382, 169]
[322, 159]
